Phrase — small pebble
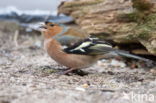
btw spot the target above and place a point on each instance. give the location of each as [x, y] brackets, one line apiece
[80, 89]
[153, 71]
[85, 85]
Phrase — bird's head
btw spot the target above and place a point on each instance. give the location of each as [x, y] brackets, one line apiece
[50, 29]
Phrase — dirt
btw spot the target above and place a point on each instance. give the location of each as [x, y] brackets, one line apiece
[28, 75]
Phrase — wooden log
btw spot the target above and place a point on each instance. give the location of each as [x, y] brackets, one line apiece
[124, 21]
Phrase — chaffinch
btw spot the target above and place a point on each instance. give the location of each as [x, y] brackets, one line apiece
[74, 49]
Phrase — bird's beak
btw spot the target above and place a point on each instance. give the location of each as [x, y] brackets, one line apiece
[42, 27]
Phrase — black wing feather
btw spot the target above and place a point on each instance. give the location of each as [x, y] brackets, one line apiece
[97, 47]
[88, 49]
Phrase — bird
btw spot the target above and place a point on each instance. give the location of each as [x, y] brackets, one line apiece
[75, 50]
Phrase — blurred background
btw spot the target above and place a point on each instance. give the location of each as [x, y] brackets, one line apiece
[31, 11]
[50, 5]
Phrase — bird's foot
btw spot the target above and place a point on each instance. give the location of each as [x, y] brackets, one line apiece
[75, 71]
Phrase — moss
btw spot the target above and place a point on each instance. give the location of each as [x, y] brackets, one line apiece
[132, 17]
[151, 21]
[130, 37]
[154, 50]
[142, 5]
[147, 28]
[143, 31]
[139, 16]
[146, 24]
[151, 17]
[144, 35]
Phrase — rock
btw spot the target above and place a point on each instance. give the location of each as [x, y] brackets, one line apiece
[121, 21]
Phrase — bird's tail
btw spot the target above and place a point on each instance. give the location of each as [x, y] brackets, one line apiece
[113, 52]
[127, 54]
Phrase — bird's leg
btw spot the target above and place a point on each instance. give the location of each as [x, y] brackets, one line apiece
[66, 71]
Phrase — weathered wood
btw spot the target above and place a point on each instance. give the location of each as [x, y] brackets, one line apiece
[126, 21]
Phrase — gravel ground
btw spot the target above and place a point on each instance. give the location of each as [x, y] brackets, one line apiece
[28, 75]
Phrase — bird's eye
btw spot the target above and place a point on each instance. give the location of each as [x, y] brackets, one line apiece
[52, 25]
